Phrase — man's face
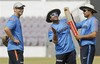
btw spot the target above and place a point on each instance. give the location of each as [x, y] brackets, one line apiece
[54, 16]
[86, 12]
[19, 11]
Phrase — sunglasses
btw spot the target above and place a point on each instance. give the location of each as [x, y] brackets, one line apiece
[86, 10]
[54, 14]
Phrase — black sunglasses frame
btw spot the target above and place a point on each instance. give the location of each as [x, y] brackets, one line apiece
[84, 10]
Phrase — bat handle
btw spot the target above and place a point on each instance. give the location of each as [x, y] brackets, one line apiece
[79, 42]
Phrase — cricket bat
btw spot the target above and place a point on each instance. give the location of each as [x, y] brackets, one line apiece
[70, 21]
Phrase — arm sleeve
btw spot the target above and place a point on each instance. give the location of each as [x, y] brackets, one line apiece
[78, 25]
[94, 25]
[11, 24]
[50, 35]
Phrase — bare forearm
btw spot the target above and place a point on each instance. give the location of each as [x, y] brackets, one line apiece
[55, 39]
[8, 32]
[89, 36]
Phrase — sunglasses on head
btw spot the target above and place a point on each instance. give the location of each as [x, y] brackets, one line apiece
[21, 8]
[53, 14]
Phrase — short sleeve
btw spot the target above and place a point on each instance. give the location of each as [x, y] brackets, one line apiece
[78, 25]
[94, 25]
[11, 23]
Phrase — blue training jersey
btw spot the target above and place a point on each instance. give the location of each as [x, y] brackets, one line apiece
[65, 43]
[87, 27]
[15, 26]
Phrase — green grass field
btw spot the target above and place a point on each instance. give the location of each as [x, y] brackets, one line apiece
[44, 60]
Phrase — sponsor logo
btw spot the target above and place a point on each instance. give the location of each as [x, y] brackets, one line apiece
[84, 58]
[59, 60]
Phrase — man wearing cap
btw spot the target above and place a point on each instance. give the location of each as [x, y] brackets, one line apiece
[89, 29]
[59, 34]
[14, 31]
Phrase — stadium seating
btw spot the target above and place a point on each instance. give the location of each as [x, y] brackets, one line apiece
[34, 30]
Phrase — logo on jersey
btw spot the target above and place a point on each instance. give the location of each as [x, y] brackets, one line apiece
[85, 26]
[59, 60]
[63, 29]
[11, 19]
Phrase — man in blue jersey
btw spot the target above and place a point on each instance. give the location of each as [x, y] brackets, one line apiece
[14, 31]
[59, 34]
[89, 29]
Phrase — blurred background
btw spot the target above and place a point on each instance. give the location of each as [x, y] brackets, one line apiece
[37, 47]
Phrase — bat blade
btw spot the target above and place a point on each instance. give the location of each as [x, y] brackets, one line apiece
[70, 21]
